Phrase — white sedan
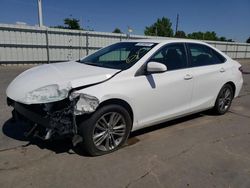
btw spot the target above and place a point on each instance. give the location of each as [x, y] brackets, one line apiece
[100, 99]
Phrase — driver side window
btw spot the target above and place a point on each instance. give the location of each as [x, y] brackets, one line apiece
[173, 56]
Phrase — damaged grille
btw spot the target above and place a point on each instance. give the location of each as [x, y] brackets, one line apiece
[58, 118]
[61, 120]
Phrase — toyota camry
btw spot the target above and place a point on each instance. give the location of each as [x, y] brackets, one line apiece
[100, 99]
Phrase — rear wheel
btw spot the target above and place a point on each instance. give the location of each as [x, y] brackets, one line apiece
[106, 130]
[224, 99]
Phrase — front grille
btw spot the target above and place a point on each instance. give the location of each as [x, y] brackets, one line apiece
[41, 108]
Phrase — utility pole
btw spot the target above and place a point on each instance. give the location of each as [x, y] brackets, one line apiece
[177, 23]
[40, 13]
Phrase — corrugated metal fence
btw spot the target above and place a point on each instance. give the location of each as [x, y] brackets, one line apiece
[28, 44]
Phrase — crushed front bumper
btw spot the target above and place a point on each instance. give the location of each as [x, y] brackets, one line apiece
[31, 116]
[51, 120]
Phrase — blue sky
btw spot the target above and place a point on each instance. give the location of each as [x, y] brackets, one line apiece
[229, 18]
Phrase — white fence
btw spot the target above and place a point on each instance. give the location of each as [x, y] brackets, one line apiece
[28, 44]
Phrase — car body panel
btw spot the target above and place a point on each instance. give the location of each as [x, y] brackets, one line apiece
[67, 75]
[208, 80]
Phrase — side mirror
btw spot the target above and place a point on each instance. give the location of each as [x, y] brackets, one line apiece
[155, 67]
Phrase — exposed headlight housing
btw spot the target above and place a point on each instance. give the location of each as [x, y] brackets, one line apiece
[46, 94]
[84, 103]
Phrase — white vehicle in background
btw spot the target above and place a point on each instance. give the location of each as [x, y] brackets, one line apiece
[124, 87]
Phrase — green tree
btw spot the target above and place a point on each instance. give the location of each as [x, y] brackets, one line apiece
[222, 39]
[69, 23]
[72, 23]
[248, 40]
[162, 27]
[180, 34]
[117, 30]
[203, 36]
[210, 36]
[196, 35]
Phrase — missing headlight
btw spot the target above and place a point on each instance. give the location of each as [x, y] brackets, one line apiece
[46, 94]
[84, 103]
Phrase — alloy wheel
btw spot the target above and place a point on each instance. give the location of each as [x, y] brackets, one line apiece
[109, 131]
[225, 99]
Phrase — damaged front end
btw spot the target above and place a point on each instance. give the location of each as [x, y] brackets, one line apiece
[55, 119]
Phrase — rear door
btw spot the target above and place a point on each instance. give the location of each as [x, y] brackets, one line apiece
[209, 71]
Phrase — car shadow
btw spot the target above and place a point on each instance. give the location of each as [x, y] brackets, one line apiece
[16, 130]
[167, 124]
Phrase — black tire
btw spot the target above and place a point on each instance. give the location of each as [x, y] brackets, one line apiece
[88, 127]
[218, 109]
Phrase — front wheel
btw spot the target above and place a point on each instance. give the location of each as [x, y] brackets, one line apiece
[224, 99]
[106, 130]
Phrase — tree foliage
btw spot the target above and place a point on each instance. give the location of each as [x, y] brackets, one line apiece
[209, 35]
[70, 23]
[117, 30]
[180, 34]
[162, 27]
[203, 35]
[248, 40]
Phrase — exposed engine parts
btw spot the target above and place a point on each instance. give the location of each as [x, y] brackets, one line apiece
[61, 116]
[61, 121]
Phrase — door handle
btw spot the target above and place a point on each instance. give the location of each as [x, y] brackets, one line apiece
[222, 70]
[188, 77]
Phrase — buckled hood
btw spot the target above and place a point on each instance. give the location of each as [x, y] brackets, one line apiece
[66, 75]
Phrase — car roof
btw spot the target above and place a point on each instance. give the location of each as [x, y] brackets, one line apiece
[165, 41]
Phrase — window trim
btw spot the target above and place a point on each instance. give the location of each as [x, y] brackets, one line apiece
[214, 51]
[211, 51]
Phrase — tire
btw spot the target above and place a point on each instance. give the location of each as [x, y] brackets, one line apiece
[106, 130]
[224, 100]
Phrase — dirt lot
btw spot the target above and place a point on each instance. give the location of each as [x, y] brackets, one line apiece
[201, 150]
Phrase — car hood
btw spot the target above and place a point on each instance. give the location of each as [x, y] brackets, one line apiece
[66, 75]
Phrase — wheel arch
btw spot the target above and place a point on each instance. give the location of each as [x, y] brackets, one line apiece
[120, 102]
[231, 83]
[233, 86]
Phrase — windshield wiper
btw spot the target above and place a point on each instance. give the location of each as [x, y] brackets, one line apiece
[90, 63]
[100, 65]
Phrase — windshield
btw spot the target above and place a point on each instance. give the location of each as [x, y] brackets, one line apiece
[121, 55]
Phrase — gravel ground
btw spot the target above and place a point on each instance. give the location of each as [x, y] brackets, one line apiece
[200, 150]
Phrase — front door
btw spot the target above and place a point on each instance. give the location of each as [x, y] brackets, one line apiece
[161, 96]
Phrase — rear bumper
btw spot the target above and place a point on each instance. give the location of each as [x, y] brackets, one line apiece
[239, 85]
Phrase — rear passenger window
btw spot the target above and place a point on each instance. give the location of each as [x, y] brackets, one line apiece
[202, 55]
[220, 58]
[173, 56]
